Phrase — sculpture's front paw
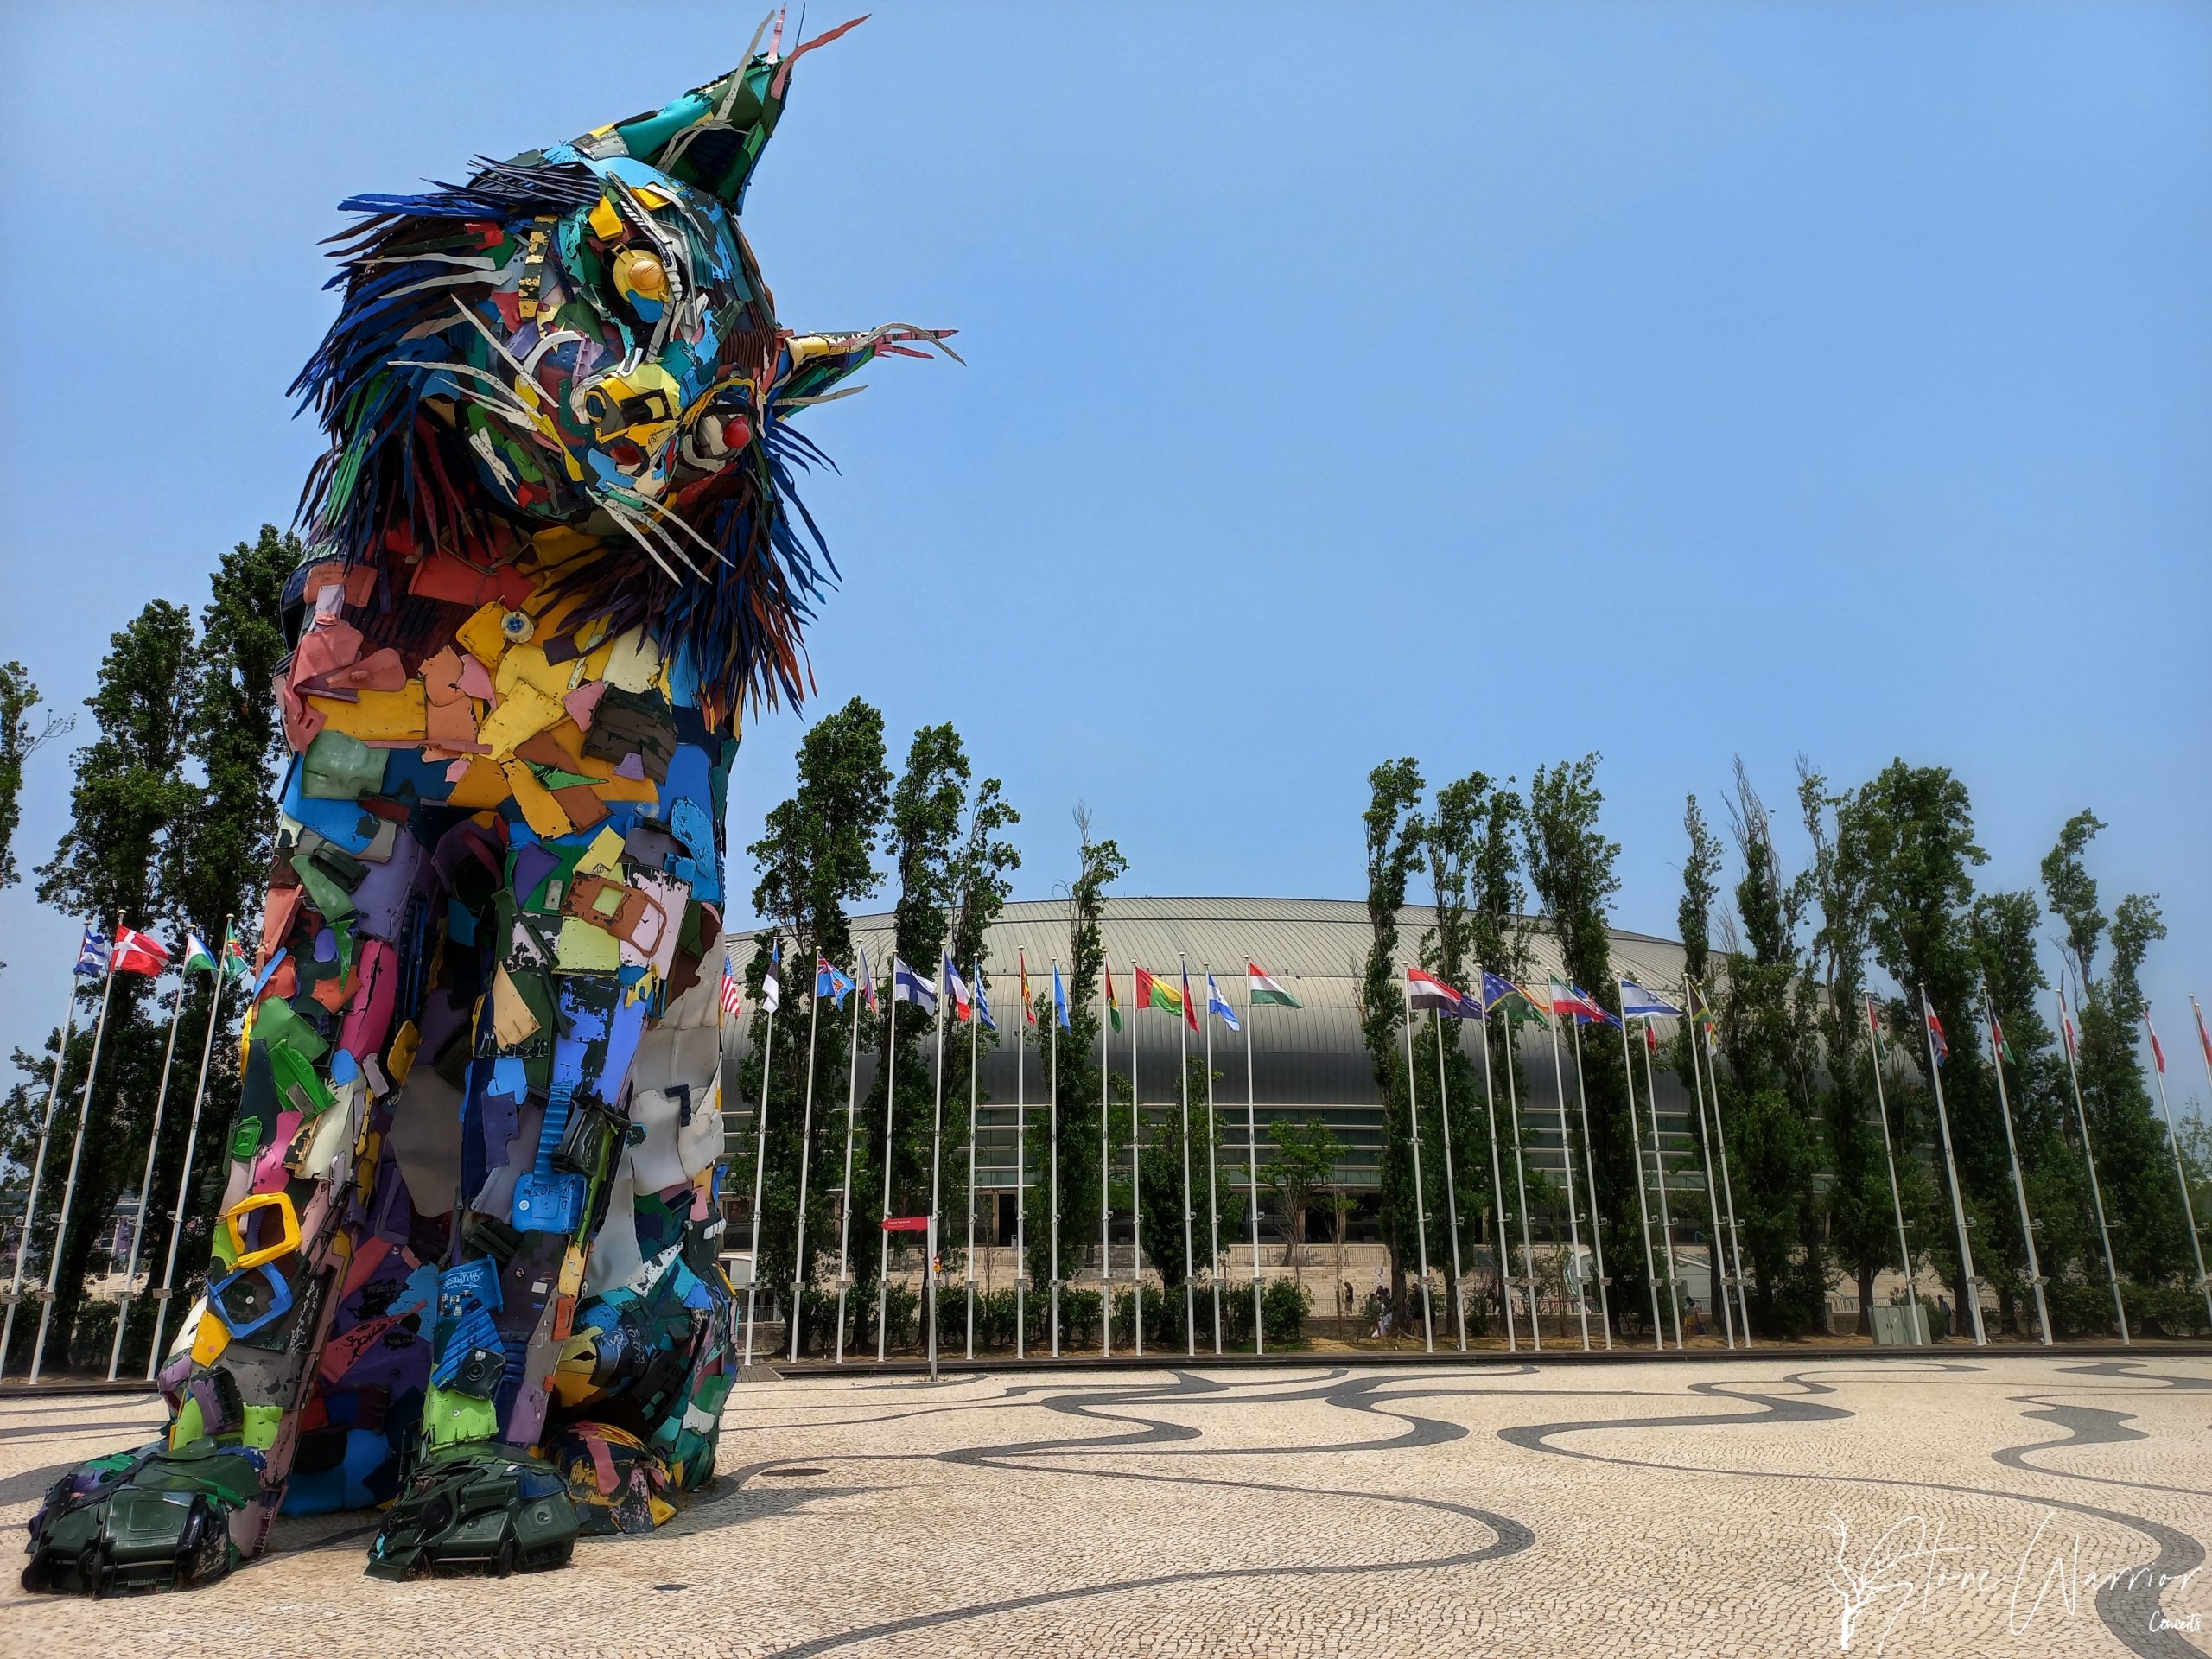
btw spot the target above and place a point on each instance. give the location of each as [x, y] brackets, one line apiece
[153, 1519]
[476, 1509]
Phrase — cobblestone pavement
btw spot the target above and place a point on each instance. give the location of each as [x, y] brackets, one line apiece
[2007, 1505]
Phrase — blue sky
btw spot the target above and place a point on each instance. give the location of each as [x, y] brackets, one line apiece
[1487, 385]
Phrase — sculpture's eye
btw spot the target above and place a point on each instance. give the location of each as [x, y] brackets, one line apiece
[640, 274]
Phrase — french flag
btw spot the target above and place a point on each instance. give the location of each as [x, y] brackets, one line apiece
[963, 1002]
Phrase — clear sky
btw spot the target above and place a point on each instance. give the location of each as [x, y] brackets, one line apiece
[1484, 383]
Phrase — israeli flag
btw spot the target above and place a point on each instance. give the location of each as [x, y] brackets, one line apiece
[1217, 1004]
[1636, 1003]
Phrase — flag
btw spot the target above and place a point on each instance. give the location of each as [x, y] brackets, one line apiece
[963, 1006]
[139, 953]
[1636, 1003]
[2203, 1037]
[1537, 1009]
[1189, 1007]
[1565, 999]
[733, 989]
[831, 981]
[1060, 999]
[983, 999]
[1592, 1010]
[1650, 1038]
[2157, 1053]
[1260, 991]
[1873, 1020]
[1701, 1011]
[2066, 1026]
[1113, 1003]
[1153, 992]
[198, 958]
[1216, 1005]
[1428, 994]
[1997, 1032]
[1028, 1008]
[907, 986]
[868, 984]
[772, 988]
[235, 964]
[1935, 1036]
[93, 955]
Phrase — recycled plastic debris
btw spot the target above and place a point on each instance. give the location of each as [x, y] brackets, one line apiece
[467, 1256]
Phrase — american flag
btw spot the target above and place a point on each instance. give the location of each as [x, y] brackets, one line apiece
[733, 990]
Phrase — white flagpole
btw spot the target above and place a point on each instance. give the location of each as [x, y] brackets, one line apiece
[845, 1191]
[145, 1184]
[1420, 1209]
[38, 1169]
[1496, 1177]
[1022, 1187]
[1451, 1190]
[2019, 1186]
[191, 1136]
[1716, 1244]
[1889, 1156]
[890, 1110]
[974, 1051]
[1566, 1162]
[1136, 1168]
[2173, 1140]
[1728, 1188]
[1659, 1171]
[1642, 1211]
[1252, 1178]
[69, 1186]
[2088, 1157]
[1213, 1184]
[1520, 1177]
[1951, 1168]
[1105, 1187]
[1590, 1182]
[1052, 1142]
[936, 1160]
[799, 1274]
[1190, 1248]
[760, 1157]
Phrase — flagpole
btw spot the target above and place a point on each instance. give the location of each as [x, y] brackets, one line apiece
[937, 1163]
[146, 1184]
[1213, 1183]
[2012, 1149]
[2088, 1157]
[799, 1274]
[1716, 1247]
[761, 1160]
[1659, 1175]
[975, 1050]
[1021, 1188]
[1951, 1169]
[1252, 1177]
[1728, 1191]
[1105, 1189]
[1190, 1248]
[2173, 1140]
[191, 1136]
[38, 1169]
[1497, 1178]
[1136, 1170]
[1643, 1210]
[890, 1110]
[69, 1186]
[1052, 1142]
[1590, 1182]
[1520, 1178]
[1450, 1190]
[1897, 1199]
[1567, 1159]
[845, 1191]
[1420, 1209]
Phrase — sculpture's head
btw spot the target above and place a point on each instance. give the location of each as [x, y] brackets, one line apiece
[571, 362]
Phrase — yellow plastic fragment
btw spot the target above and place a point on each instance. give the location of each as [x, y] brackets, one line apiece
[208, 1345]
[480, 636]
[539, 810]
[584, 949]
[378, 716]
[633, 663]
[604, 222]
[399, 1059]
[512, 1022]
[523, 713]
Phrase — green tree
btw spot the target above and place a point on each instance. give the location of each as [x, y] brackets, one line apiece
[19, 741]
[1393, 837]
[1305, 1163]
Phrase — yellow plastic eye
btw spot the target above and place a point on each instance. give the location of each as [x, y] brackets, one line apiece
[640, 274]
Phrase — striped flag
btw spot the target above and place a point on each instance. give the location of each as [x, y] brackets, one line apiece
[235, 964]
[1217, 1004]
[868, 983]
[963, 1006]
[1262, 992]
[1936, 1037]
[1153, 992]
[2203, 1037]
[2066, 1025]
[1113, 1002]
[1028, 1008]
[1425, 993]
[733, 989]
[91, 956]
[1636, 1003]
[198, 958]
[1189, 1007]
[907, 986]
[2156, 1052]
[772, 988]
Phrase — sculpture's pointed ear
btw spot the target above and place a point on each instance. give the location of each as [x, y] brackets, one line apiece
[711, 138]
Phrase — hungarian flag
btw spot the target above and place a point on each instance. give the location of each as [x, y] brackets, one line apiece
[1936, 1037]
[198, 958]
[1153, 992]
[1113, 1002]
[1262, 992]
[1028, 1008]
[1426, 994]
[2157, 1053]
[139, 953]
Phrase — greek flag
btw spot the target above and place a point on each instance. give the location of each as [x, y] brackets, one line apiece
[91, 956]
